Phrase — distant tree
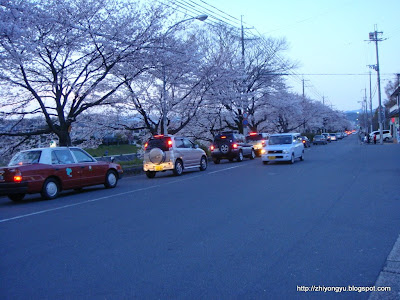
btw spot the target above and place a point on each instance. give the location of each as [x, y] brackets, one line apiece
[248, 81]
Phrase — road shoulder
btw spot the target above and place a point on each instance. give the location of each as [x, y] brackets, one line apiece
[389, 276]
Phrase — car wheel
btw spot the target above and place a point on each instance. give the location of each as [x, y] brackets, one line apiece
[302, 156]
[16, 197]
[265, 162]
[50, 189]
[240, 156]
[151, 174]
[216, 161]
[386, 139]
[292, 159]
[178, 167]
[203, 163]
[111, 179]
[253, 154]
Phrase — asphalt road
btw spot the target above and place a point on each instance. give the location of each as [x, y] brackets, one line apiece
[236, 231]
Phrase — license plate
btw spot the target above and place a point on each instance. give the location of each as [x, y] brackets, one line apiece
[272, 157]
[158, 168]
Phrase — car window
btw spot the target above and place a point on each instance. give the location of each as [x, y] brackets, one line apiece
[81, 156]
[179, 143]
[59, 157]
[280, 140]
[161, 143]
[27, 157]
[256, 137]
[223, 138]
[187, 143]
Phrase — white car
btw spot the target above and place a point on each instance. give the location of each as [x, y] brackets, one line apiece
[386, 135]
[283, 147]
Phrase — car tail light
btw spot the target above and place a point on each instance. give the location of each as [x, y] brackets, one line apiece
[169, 143]
[17, 176]
[234, 146]
[304, 142]
[263, 143]
[212, 147]
[146, 145]
[223, 137]
[253, 133]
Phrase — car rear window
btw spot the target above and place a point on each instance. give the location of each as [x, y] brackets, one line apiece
[257, 137]
[161, 143]
[26, 158]
[223, 137]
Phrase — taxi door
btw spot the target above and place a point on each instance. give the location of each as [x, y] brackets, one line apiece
[92, 172]
[65, 168]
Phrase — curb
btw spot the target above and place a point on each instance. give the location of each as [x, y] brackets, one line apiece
[389, 276]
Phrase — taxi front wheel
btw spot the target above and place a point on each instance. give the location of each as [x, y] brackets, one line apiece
[111, 179]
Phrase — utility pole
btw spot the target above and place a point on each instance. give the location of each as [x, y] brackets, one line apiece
[373, 36]
[370, 101]
[242, 94]
[366, 110]
[304, 102]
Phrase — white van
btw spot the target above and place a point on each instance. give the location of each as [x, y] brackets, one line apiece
[386, 135]
[283, 147]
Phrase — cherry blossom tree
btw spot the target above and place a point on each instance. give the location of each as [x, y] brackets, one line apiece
[59, 59]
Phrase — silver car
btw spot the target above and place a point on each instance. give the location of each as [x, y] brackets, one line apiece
[168, 152]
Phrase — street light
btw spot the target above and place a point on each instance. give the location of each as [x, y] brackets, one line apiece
[164, 91]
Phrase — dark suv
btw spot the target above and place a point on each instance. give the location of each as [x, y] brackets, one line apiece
[230, 145]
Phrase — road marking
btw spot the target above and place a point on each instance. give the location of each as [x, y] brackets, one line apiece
[213, 172]
[106, 197]
[76, 204]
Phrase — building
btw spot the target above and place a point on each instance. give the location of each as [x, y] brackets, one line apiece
[394, 116]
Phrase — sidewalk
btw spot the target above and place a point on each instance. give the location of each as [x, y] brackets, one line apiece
[389, 276]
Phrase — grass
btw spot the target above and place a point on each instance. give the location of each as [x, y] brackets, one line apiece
[131, 163]
[104, 150]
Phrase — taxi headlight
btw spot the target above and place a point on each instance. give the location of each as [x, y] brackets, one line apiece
[285, 151]
[263, 151]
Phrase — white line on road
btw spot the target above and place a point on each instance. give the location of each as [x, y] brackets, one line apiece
[213, 172]
[106, 197]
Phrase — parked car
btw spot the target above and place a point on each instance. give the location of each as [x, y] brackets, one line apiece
[258, 140]
[283, 147]
[327, 137]
[319, 139]
[231, 145]
[168, 152]
[306, 141]
[386, 135]
[50, 170]
[333, 137]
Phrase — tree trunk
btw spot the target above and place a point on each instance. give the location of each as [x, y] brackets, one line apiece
[64, 138]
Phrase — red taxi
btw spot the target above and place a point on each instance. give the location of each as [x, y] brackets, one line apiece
[50, 170]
